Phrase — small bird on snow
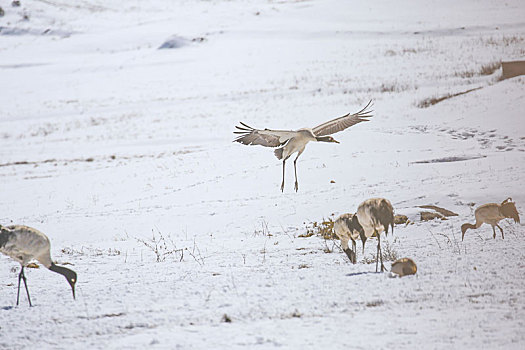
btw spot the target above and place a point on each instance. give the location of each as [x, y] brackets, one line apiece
[404, 267]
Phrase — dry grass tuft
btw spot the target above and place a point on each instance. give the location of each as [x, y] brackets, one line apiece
[324, 228]
[90, 251]
[375, 303]
[387, 251]
[486, 69]
[503, 41]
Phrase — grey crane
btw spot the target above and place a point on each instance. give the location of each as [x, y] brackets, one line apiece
[375, 215]
[288, 142]
[347, 228]
[23, 244]
[492, 213]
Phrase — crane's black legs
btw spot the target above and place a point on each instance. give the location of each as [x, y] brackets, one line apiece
[377, 255]
[354, 250]
[282, 184]
[494, 230]
[295, 169]
[21, 276]
[502, 237]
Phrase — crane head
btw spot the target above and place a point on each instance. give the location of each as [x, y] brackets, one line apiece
[72, 279]
[326, 139]
[331, 139]
[70, 275]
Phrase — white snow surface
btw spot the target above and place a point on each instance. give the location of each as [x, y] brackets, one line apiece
[105, 140]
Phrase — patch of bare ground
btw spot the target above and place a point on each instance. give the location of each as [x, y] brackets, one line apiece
[433, 100]
[430, 215]
[400, 219]
[512, 69]
[92, 159]
[448, 159]
[442, 211]
[437, 213]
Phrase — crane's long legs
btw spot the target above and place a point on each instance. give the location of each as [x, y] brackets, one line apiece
[502, 237]
[21, 276]
[18, 293]
[295, 169]
[494, 230]
[379, 253]
[282, 184]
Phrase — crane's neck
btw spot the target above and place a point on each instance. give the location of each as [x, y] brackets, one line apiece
[323, 138]
[70, 275]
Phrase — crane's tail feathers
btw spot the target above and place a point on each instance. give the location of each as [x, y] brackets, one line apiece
[279, 153]
[384, 215]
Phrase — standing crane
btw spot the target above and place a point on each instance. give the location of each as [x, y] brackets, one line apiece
[375, 215]
[288, 142]
[24, 244]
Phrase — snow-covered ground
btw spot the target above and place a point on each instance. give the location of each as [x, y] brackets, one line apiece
[106, 140]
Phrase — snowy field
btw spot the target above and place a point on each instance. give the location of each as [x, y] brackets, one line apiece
[107, 140]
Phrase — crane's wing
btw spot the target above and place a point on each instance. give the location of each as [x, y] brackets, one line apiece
[266, 137]
[344, 122]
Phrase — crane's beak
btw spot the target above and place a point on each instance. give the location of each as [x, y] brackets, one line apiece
[73, 289]
[336, 141]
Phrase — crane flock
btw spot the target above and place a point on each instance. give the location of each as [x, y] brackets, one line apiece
[372, 217]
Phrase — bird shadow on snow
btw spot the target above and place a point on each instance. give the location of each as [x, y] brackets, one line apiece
[7, 307]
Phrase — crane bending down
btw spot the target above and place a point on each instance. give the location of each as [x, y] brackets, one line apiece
[289, 142]
[347, 228]
[491, 214]
[24, 244]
